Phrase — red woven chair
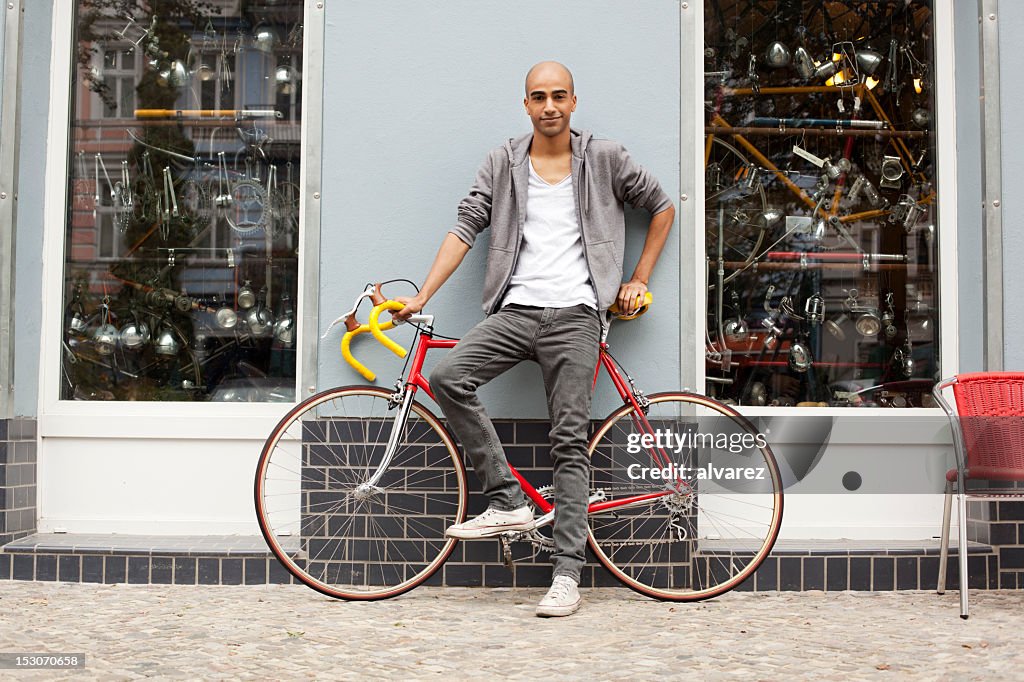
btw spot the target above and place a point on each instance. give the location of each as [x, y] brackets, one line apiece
[988, 440]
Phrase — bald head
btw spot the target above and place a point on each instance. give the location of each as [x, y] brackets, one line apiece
[549, 70]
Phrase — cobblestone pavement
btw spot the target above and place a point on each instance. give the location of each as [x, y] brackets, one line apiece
[290, 632]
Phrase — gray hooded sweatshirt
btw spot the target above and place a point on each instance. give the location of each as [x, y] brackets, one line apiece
[604, 177]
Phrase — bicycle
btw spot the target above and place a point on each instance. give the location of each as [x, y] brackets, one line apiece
[356, 485]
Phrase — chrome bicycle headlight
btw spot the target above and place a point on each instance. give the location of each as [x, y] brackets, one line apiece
[165, 343]
[226, 318]
[105, 338]
[868, 324]
[799, 357]
[134, 335]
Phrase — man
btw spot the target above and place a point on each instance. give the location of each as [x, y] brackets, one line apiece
[554, 202]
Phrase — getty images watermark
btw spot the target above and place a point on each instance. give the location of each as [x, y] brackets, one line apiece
[668, 440]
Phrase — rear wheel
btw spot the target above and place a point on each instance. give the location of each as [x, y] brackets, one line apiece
[329, 524]
[701, 497]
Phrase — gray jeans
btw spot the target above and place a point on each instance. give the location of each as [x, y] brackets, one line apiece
[564, 342]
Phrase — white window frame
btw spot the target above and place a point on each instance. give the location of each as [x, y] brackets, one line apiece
[160, 420]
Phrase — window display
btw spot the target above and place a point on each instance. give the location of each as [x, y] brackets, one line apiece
[181, 242]
[821, 221]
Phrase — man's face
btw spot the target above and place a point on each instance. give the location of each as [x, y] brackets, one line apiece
[549, 100]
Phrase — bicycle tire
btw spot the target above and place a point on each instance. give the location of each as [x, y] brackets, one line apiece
[345, 541]
[728, 533]
[736, 214]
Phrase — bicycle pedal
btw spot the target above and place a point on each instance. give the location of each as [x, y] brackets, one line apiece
[506, 551]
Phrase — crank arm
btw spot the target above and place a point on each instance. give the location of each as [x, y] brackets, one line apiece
[549, 518]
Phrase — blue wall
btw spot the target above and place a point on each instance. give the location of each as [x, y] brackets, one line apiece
[1011, 61]
[36, 28]
[969, 190]
[417, 93]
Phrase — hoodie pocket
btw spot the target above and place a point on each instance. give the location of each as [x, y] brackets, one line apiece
[605, 262]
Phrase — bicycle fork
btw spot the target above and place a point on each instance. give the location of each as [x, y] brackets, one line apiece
[369, 487]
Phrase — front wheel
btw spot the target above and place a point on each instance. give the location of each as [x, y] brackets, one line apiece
[693, 497]
[331, 522]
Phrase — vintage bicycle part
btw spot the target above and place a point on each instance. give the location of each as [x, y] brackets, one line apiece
[903, 358]
[246, 297]
[75, 317]
[835, 327]
[737, 214]
[772, 323]
[284, 326]
[104, 337]
[166, 342]
[134, 334]
[736, 329]
[244, 203]
[286, 203]
[777, 55]
[868, 320]
[892, 173]
[195, 203]
[259, 318]
[814, 309]
[888, 319]
[120, 193]
[907, 213]
[249, 211]
[146, 201]
[800, 359]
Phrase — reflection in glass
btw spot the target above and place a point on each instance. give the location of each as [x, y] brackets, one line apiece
[183, 212]
[821, 218]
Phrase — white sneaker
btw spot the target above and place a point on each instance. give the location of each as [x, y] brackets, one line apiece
[563, 599]
[492, 522]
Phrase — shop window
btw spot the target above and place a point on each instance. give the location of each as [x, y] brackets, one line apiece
[821, 204]
[181, 239]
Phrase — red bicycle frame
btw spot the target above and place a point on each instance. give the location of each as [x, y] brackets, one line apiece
[417, 380]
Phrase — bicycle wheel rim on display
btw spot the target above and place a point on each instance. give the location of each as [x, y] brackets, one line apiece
[735, 212]
[698, 533]
[347, 541]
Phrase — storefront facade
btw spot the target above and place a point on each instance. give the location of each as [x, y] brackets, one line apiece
[199, 195]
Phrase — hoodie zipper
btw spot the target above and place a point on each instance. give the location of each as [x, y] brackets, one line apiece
[519, 234]
[579, 216]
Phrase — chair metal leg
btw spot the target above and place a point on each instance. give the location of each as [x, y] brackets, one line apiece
[962, 550]
[947, 508]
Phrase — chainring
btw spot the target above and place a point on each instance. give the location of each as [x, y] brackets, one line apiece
[542, 541]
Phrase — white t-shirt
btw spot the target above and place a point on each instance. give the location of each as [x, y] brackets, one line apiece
[551, 271]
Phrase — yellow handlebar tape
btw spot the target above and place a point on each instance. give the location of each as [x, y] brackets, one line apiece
[346, 341]
[614, 308]
[377, 329]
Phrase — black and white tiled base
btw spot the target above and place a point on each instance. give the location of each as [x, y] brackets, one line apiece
[996, 551]
[243, 560]
[17, 479]
[143, 559]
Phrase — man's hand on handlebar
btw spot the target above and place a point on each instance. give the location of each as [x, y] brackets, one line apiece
[413, 305]
[631, 296]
